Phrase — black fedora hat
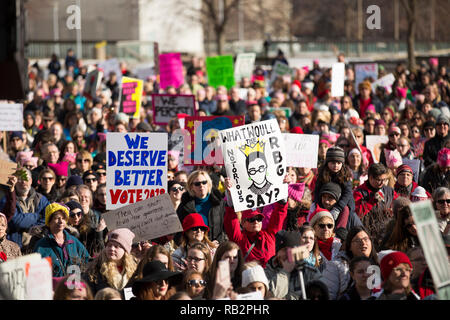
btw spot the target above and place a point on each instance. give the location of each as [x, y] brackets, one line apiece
[154, 271]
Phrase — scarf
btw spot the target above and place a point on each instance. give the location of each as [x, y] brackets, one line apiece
[202, 206]
[311, 260]
[325, 247]
[307, 179]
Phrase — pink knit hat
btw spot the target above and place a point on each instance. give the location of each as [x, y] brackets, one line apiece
[318, 214]
[393, 158]
[23, 157]
[371, 108]
[443, 158]
[296, 190]
[401, 92]
[394, 129]
[122, 236]
[70, 157]
[60, 168]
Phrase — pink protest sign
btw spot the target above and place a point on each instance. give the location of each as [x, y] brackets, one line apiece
[170, 70]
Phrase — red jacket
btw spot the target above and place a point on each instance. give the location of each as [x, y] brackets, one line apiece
[365, 198]
[414, 186]
[264, 248]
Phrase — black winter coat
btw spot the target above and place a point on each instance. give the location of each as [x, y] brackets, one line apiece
[432, 148]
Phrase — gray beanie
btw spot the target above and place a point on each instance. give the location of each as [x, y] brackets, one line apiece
[442, 119]
[335, 154]
[331, 188]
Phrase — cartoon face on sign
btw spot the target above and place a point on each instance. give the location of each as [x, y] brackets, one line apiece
[256, 164]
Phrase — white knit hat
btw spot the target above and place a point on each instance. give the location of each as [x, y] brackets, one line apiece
[254, 274]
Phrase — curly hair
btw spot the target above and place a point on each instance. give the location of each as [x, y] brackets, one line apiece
[326, 175]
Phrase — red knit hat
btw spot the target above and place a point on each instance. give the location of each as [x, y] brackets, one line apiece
[194, 220]
[297, 130]
[392, 260]
[404, 167]
[318, 214]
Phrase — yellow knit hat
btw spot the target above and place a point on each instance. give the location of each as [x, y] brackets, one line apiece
[52, 208]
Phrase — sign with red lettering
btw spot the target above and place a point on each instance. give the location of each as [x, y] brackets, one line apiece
[137, 167]
[131, 96]
[168, 106]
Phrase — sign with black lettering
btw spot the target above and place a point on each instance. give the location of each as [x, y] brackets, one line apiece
[168, 106]
[255, 160]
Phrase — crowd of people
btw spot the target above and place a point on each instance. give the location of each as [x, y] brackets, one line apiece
[349, 213]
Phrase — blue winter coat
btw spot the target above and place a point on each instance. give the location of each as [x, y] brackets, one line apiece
[23, 221]
[72, 252]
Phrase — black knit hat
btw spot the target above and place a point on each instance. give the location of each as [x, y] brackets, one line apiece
[285, 239]
[429, 124]
[335, 154]
[331, 188]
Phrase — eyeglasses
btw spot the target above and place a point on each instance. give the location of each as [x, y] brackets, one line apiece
[196, 229]
[379, 180]
[196, 283]
[90, 180]
[443, 201]
[75, 214]
[362, 240]
[48, 178]
[395, 134]
[399, 270]
[417, 118]
[254, 171]
[257, 218]
[195, 259]
[175, 189]
[198, 183]
[327, 225]
[83, 160]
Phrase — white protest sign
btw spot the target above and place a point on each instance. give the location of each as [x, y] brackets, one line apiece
[255, 160]
[373, 143]
[93, 81]
[11, 117]
[128, 293]
[167, 106]
[137, 167]
[386, 82]
[39, 285]
[255, 295]
[13, 276]
[280, 69]
[148, 219]
[433, 246]
[363, 71]
[243, 67]
[111, 65]
[303, 150]
[337, 79]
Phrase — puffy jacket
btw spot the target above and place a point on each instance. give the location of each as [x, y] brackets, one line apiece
[336, 276]
[264, 248]
[285, 285]
[72, 252]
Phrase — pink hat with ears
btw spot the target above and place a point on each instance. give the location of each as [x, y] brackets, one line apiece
[434, 61]
[70, 157]
[296, 190]
[401, 92]
[443, 158]
[393, 158]
[371, 108]
[60, 168]
[21, 156]
[326, 142]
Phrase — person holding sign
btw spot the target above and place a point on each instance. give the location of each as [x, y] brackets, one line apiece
[257, 244]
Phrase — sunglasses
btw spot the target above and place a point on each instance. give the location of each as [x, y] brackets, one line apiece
[328, 225]
[196, 283]
[101, 173]
[48, 178]
[75, 214]
[61, 178]
[197, 184]
[443, 201]
[81, 160]
[257, 218]
[428, 129]
[90, 180]
[394, 134]
[175, 189]
[196, 229]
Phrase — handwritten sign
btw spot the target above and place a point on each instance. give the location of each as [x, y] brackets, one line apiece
[137, 167]
[111, 65]
[93, 81]
[7, 168]
[303, 150]
[148, 219]
[39, 284]
[202, 147]
[337, 79]
[280, 69]
[245, 62]
[171, 70]
[11, 117]
[168, 106]
[131, 96]
[255, 160]
[374, 143]
[220, 71]
[363, 71]
[433, 246]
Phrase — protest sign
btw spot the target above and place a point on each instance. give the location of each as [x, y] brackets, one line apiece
[144, 73]
[148, 219]
[373, 143]
[170, 70]
[131, 96]
[415, 166]
[111, 65]
[337, 79]
[280, 69]
[255, 160]
[243, 68]
[13, 276]
[7, 168]
[93, 81]
[39, 284]
[168, 106]
[363, 71]
[255, 295]
[243, 93]
[11, 117]
[202, 147]
[220, 71]
[287, 111]
[137, 167]
[303, 150]
[385, 82]
[433, 246]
